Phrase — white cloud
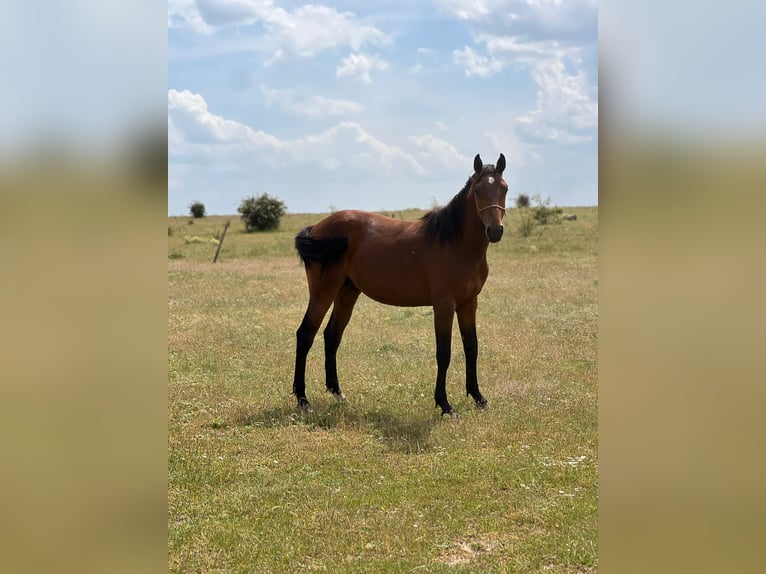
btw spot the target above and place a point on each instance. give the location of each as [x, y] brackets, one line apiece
[520, 50]
[310, 106]
[197, 133]
[544, 16]
[465, 9]
[193, 123]
[565, 110]
[184, 14]
[358, 66]
[517, 154]
[442, 152]
[304, 31]
[475, 64]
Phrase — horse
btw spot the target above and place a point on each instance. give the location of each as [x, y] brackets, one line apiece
[439, 260]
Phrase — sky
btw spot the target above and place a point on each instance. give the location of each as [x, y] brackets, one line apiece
[379, 105]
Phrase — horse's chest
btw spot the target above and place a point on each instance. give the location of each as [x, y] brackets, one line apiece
[472, 283]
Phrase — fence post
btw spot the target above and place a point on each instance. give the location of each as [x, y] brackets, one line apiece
[220, 242]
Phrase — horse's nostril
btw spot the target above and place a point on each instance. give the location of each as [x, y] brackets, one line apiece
[494, 233]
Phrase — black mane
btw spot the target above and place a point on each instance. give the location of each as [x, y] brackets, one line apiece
[444, 224]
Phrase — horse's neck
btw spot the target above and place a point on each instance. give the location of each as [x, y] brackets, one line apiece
[475, 242]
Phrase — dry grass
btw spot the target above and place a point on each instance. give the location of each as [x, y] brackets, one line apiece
[381, 483]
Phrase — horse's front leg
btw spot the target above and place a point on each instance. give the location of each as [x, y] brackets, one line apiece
[466, 318]
[443, 315]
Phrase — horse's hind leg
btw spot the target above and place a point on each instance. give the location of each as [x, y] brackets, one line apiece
[323, 288]
[333, 333]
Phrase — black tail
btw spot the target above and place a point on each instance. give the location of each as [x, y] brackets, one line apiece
[323, 250]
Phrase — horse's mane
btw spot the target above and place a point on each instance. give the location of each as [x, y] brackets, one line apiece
[444, 224]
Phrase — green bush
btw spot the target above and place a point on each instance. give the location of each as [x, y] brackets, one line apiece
[197, 209]
[540, 214]
[545, 214]
[527, 223]
[261, 213]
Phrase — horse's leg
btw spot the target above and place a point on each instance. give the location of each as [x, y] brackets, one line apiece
[443, 316]
[323, 289]
[466, 319]
[333, 333]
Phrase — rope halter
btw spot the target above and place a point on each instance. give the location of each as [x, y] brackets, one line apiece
[500, 207]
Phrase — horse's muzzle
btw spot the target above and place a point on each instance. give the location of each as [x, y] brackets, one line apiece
[494, 233]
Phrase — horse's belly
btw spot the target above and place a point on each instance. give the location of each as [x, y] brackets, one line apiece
[402, 285]
[397, 298]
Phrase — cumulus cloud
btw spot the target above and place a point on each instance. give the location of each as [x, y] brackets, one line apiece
[517, 153]
[517, 49]
[566, 112]
[199, 133]
[193, 123]
[184, 14]
[358, 66]
[549, 40]
[465, 9]
[304, 31]
[439, 151]
[311, 106]
[475, 64]
[543, 17]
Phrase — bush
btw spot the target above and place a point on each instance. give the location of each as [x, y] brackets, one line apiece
[261, 213]
[540, 214]
[527, 223]
[197, 209]
[544, 214]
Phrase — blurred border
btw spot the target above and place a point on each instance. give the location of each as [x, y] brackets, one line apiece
[682, 273]
[83, 185]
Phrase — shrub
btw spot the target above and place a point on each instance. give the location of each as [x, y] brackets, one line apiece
[261, 213]
[540, 214]
[527, 223]
[197, 209]
[544, 214]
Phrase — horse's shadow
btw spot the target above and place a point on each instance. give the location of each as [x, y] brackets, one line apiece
[406, 433]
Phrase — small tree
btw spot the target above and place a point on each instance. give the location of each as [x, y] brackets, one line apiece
[197, 209]
[522, 200]
[261, 213]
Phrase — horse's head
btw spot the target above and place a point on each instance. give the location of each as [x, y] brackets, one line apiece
[489, 189]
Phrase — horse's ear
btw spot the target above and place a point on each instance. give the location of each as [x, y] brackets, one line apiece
[500, 165]
[477, 164]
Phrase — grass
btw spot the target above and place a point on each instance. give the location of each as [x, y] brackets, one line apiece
[381, 483]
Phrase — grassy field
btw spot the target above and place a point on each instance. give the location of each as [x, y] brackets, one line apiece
[381, 483]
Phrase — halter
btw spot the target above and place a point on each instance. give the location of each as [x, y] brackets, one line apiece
[491, 206]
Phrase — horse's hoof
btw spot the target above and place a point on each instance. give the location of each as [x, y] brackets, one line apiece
[482, 404]
[304, 406]
[451, 414]
[340, 397]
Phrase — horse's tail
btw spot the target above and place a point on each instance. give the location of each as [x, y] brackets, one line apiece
[324, 250]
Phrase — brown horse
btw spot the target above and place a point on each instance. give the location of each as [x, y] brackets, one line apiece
[438, 260]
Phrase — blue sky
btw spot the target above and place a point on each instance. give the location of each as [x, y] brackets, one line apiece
[379, 105]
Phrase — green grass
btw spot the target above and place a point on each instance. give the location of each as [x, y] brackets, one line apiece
[381, 483]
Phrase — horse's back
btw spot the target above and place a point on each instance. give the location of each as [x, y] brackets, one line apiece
[385, 256]
[351, 223]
